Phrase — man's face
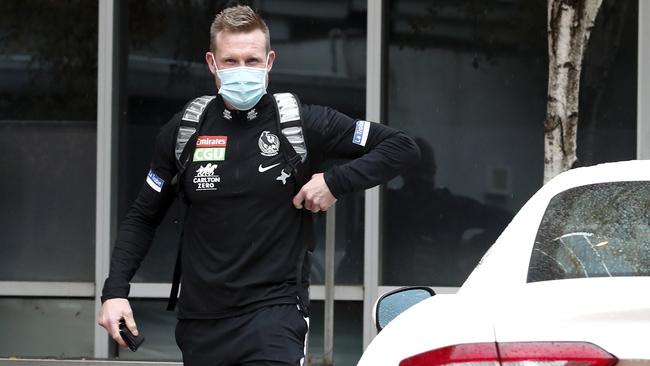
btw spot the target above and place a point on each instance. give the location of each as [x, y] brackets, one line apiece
[239, 49]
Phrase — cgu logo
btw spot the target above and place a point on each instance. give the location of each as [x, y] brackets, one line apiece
[209, 154]
[211, 141]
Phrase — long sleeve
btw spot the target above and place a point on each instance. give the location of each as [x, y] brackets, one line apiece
[374, 152]
[137, 230]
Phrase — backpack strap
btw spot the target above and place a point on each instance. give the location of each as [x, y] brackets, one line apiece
[294, 148]
[192, 119]
[189, 125]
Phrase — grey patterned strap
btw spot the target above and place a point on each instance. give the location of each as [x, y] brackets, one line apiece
[191, 115]
[289, 111]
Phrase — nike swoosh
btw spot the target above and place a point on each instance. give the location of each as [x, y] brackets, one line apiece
[262, 169]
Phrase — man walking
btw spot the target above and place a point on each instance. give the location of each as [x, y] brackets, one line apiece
[245, 270]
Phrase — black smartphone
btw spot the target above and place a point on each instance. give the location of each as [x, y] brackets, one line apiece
[132, 341]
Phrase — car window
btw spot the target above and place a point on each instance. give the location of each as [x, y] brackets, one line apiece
[597, 230]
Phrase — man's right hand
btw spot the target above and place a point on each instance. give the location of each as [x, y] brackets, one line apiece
[112, 311]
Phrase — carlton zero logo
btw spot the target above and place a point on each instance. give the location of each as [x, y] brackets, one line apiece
[205, 179]
[210, 148]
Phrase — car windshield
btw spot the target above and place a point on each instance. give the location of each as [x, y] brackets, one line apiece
[599, 230]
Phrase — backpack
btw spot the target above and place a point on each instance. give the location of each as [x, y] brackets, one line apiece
[292, 146]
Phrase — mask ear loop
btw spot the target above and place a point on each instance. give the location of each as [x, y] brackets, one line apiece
[214, 64]
[266, 69]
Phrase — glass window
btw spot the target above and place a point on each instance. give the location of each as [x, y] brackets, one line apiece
[317, 43]
[348, 259]
[608, 86]
[44, 327]
[164, 70]
[323, 43]
[48, 96]
[348, 332]
[600, 230]
[468, 81]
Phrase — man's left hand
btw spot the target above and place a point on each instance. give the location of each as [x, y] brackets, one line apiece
[315, 195]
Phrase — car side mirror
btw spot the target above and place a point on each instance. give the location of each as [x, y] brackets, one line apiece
[393, 303]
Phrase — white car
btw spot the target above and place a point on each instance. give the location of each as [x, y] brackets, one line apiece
[566, 283]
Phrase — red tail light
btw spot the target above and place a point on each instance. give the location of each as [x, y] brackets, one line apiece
[515, 354]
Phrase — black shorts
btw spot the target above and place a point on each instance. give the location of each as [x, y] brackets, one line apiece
[272, 335]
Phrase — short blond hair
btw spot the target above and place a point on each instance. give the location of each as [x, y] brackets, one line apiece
[238, 19]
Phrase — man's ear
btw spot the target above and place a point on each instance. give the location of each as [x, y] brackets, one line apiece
[271, 59]
[210, 60]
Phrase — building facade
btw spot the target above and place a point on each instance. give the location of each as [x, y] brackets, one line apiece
[85, 85]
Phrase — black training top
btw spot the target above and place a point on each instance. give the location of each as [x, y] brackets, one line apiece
[242, 240]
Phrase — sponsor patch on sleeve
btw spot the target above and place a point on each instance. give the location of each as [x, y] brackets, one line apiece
[154, 181]
[361, 133]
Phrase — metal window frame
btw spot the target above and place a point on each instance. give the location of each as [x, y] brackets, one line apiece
[106, 149]
[316, 292]
[47, 289]
[643, 83]
[140, 290]
[374, 95]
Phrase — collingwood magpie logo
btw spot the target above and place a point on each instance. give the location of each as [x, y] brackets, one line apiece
[205, 179]
[269, 144]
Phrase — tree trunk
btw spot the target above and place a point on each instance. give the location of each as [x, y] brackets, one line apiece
[569, 26]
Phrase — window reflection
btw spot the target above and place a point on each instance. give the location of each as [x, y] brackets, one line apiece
[599, 230]
[163, 46]
[431, 224]
[608, 86]
[48, 60]
[348, 332]
[48, 96]
[35, 327]
[321, 48]
[468, 79]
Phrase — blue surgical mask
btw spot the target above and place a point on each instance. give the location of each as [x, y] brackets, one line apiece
[243, 86]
